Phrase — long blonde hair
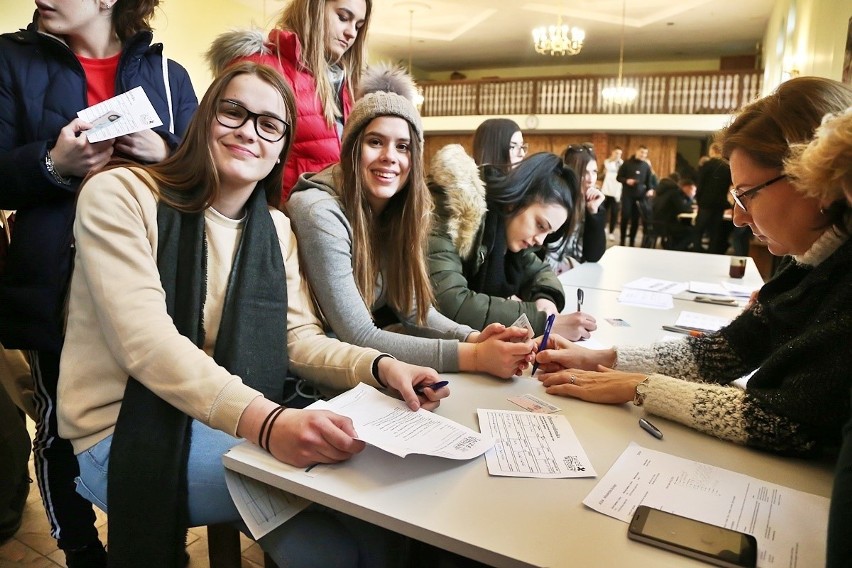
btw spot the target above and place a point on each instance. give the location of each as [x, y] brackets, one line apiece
[397, 239]
[306, 19]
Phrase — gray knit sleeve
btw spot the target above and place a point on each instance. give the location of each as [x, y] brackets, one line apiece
[325, 244]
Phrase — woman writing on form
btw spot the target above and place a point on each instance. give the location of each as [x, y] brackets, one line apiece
[798, 398]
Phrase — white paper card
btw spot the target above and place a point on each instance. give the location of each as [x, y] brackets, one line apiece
[657, 285]
[644, 299]
[706, 288]
[123, 114]
[790, 526]
[703, 322]
[527, 444]
[390, 425]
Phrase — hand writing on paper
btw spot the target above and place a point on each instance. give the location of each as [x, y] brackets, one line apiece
[402, 378]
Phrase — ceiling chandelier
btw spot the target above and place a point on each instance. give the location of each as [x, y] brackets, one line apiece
[620, 94]
[560, 39]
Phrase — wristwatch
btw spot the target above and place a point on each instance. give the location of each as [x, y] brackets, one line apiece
[641, 391]
[51, 169]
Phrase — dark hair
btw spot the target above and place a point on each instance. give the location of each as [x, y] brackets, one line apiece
[577, 157]
[685, 181]
[129, 17]
[188, 179]
[491, 142]
[766, 129]
[540, 178]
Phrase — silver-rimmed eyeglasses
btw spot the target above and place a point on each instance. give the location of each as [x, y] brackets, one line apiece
[232, 114]
[742, 198]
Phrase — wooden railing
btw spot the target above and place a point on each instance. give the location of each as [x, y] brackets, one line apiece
[707, 92]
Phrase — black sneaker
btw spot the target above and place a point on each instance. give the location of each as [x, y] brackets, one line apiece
[90, 556]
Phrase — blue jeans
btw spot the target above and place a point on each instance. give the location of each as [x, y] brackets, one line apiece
[317, 536]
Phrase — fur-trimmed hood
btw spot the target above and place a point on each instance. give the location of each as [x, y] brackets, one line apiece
[459, 195]
[233, 45]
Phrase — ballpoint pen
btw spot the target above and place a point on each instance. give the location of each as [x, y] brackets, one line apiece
[434, 386]
[650, 428]
[547, 327]
[580, 296]
[683, 330]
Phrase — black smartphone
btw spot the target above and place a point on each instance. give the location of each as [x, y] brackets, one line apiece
[715, 545]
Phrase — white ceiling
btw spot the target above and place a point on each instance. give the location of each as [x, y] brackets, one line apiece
[444, 35]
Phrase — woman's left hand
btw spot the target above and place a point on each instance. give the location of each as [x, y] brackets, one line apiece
[546, 306]
[604, 385]
[594, 198]
[403, 377]
[145, 146]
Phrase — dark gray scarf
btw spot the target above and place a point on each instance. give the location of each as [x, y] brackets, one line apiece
[147, 470]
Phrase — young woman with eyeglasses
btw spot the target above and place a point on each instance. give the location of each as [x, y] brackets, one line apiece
[186, 313]
[587, 240]
[797, 399]
[363, 225]
[320, 48]
[499, 143]
[482, 259]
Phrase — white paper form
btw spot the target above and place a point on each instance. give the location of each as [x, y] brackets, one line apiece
[645, 299]
[707, 288]
[702, 322]
[790, 526]
[390, 425]
[657, 285]
[126, 113]
[529, 444]
[261, 506]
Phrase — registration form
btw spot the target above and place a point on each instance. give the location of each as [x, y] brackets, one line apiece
[790, 526]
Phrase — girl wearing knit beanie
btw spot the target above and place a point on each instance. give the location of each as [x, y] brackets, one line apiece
[362, 226]
[320, 48]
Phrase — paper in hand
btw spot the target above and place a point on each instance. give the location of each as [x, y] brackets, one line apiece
[124, 114]
[524, 322]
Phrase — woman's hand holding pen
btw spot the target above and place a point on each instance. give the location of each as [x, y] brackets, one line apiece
[575, 326]
[403, 377]
[563, 354]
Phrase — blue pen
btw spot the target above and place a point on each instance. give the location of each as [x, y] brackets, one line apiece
[434, 386]
[547, 327]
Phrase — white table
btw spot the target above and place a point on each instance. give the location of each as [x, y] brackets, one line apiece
[517, 522]
[620, 265]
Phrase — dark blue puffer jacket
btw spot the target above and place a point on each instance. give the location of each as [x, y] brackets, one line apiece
[42, 87]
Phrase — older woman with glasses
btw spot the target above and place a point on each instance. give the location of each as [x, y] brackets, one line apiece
[797, 399]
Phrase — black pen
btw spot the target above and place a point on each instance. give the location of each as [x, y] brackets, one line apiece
[434, 386]
[650, 428]
[580, 296]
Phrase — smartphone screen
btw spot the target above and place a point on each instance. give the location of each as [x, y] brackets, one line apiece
[717, 545]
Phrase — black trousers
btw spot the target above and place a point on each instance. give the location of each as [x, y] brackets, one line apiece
[71, 518]
[14, 473]
[629, 216]
[612, 207]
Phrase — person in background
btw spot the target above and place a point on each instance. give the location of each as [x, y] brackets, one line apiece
[187, 312]
[14, 455]
[346, 215]
[499, 143]
[587, 240]
[72, 56]
[611, 189]
[482, 260]
[714, 183]
[797, 399]
[825, 167]
[634, 175]
[672, 199]
[320, 47]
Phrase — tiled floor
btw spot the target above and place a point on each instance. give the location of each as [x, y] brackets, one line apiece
[33, 547]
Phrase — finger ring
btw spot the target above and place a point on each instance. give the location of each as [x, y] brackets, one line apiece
[573, 379]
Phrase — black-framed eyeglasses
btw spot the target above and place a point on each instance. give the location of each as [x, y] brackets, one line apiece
[739, 198]
[519, 149]
[232, 114]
